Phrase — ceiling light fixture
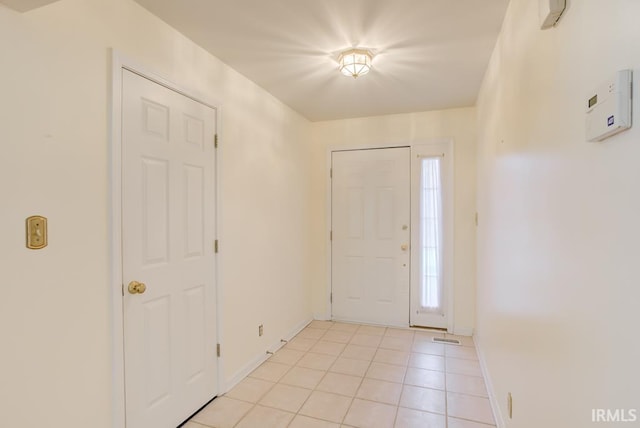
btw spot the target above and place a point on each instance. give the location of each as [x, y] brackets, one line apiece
[355, 62]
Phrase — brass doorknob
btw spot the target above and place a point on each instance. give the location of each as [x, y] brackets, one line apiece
[136, 287]
[404, 247]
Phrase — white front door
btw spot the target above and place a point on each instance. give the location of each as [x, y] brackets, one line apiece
[371, 236]
[168, 230]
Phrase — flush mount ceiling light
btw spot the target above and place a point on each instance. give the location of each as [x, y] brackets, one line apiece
[355, 62]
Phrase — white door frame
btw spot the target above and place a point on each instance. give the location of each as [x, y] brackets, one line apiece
[118, 63]
[338, 148]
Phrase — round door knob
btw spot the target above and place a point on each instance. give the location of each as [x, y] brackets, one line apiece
[404, 247]
[136, 287]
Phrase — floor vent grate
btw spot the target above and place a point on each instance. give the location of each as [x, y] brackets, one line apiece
[446, 341]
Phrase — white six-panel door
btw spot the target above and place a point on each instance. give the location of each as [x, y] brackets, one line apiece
[371, 236]
[168, 229]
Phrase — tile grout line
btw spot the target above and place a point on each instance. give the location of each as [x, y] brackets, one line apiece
[314, 388]
[404, 378]
[361, 381]
[312, 391]
[446, 391]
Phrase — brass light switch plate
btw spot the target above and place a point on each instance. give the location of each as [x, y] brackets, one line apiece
[36, 232]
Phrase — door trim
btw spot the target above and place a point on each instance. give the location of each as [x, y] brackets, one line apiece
[118, 63]
[329, 197]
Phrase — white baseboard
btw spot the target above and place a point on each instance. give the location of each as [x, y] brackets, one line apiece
[463, 331]
[497, 413]
[259, 359]
[243, 372]
[321, 317]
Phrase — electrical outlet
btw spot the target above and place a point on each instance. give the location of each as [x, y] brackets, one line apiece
[510, 405]
[260, 330]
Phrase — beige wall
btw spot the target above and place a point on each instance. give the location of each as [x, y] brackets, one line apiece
[458, 124]
[55, 365]
[558, 241]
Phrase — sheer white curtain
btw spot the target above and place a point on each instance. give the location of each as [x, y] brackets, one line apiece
[431, 284]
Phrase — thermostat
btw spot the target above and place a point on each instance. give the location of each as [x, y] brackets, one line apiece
[609, 107]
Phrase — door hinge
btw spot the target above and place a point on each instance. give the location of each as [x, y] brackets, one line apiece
[331, 235]
[331, 297]
[218, 349]
[215, 246]
[330, 172]
[215, 141]
[122, 290]
[476, 219]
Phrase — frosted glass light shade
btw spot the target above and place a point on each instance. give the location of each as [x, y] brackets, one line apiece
[355, 62]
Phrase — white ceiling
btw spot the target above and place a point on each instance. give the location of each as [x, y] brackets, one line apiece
[430, 54]
[26, 5]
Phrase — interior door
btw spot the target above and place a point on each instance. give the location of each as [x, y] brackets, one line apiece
[168, 230]
[370, 215]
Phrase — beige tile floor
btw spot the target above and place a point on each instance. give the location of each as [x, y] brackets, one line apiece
[335, 375]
